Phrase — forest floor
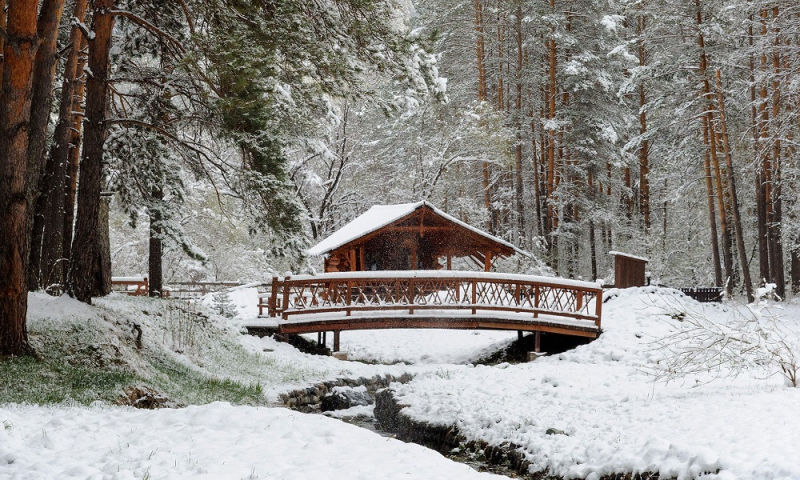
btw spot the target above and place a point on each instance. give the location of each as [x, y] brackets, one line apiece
[591, 411]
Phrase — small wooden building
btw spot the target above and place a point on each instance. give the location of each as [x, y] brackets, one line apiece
[629, 270]
[409, 236]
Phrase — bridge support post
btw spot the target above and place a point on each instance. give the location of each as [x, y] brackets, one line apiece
[519, 334]
[336, 340]
[537, 344]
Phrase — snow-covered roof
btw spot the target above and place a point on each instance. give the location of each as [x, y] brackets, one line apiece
[380, 216]
[627, 255]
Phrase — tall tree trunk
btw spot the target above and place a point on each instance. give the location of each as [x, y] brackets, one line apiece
[480, 48]
[2, 39]
[154, 263]
[48, 231]
[102, 265]
[19, 53]
[519, 194]
[737, 221]
[644, 150]
[763, 174]
[42, 95]
[83, 272]
[712, 220]
[73, 156]
[706, 126]
[552, 91]
[775, 221]
[723, 204]
[537, 185]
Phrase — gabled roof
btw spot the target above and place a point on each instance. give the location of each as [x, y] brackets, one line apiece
[380, 216]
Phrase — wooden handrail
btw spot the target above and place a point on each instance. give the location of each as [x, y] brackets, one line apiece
[349, 292]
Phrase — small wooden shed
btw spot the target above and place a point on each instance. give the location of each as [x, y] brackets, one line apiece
[629, 270]
[409, 236]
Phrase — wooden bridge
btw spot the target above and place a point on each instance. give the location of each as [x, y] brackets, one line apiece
[429, 299]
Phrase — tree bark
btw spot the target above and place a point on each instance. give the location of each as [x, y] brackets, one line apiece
[154, 263]
[644, 150]
[706, 126]
[519, 193]
[712, 220]
[480, 47]
[48, 231]
[737, 221]
[19, 53]
[73, 157]
[42, 95]
[83, 272]
[550, 177]
[775, 220]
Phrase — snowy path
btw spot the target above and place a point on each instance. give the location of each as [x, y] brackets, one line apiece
[205, 442]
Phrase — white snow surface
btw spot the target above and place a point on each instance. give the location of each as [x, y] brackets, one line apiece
[379, 216]
[429, 346]
[627, 255]
[615, 417]
[205, 442]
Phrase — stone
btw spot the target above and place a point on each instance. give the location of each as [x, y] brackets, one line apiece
[534, 355]
[339, 355]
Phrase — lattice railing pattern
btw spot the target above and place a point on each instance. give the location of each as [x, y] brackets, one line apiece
[335, 293]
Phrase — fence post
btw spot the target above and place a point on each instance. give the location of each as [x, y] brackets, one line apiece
[412, 295]
[578, 300]
[474, 296]
[285, 305]
[536, 301]
[349, 300]
[273, 298]
[598, 308]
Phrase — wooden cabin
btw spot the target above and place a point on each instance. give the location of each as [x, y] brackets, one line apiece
[409, 236]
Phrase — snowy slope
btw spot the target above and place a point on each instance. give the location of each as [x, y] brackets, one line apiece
[615, 417]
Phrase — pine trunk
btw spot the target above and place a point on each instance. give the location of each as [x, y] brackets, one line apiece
[48, 234]
[706, 126]
[775, 220]
[73, 157]
[44, 73]
[763, 173]
[19, 53]
[519, 194]
[552, 91]
[154, 263]
[644, 150]
[83, 273]
[734, 200]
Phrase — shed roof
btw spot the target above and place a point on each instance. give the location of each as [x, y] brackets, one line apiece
[380, 216]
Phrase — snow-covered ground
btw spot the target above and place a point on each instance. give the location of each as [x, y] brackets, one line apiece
[607, 413]
[604, 410]
[215, 441]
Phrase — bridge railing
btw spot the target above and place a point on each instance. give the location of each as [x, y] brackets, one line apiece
[349, 292]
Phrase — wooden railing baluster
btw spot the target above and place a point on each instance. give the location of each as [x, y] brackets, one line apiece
[362, 292]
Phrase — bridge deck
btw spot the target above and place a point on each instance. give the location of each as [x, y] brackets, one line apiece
[423, 299]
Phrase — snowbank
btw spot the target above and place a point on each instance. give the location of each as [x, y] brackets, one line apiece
[615, 418]
[211, 441]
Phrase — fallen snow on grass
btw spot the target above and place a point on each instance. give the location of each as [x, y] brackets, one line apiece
[210, 441]
[605, 414]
